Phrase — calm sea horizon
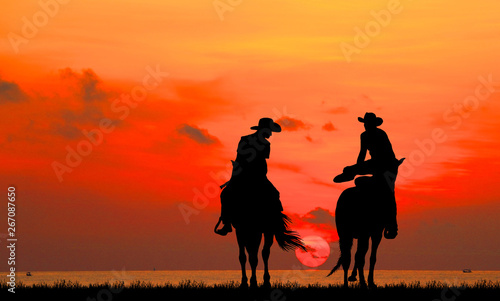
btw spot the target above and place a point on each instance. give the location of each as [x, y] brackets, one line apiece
[210, 277]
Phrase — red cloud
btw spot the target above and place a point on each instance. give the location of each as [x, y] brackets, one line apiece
[199, 135]
[329, 127]
[292, 124]
[338, 110]
[11, 92]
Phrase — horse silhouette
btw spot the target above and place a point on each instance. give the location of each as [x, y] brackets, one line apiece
[362, 212]
[251, 204]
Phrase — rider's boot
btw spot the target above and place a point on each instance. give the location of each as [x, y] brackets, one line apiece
[348, 174]
[225, 229]
[391, 229]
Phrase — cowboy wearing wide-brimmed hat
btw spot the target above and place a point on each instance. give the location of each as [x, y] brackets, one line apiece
[371, 118]
[382, 164]
[249, 176]
[267, 124]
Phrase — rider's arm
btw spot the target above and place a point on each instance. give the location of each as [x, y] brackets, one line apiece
[362, 151]
[267, 151]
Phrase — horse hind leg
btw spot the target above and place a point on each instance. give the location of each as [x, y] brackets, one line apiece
[266, 252]
[363, 243]
[345, 251]
[354, 273]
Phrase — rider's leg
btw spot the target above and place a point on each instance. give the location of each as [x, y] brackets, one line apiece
[225, 214]
[391, 229]
[349, 172]
[368, 167]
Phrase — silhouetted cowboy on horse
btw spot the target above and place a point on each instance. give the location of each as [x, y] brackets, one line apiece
[249, 177]
[368, 210]
[383, 165]
[251, 203]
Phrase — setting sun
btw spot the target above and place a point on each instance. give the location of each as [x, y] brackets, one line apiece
[318, 252]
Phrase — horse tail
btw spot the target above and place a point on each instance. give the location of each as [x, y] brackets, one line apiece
[286, 238]
[343, 244]
[337, 266]
[341, 217]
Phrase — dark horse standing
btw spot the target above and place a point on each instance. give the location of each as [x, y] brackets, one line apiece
[251, 204]
[358, 216]
[362, 212]
[368, 210]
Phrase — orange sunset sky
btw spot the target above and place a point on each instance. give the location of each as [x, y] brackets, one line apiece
[172, 86]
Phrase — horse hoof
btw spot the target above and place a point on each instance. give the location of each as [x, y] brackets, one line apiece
[244, 285]
[266, 284]
[363, 285]
[372, 285]
[390, 234]
[352, 278]
[253, 284]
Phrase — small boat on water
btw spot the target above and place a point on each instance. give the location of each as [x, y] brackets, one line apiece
[467, 271]
[28, 274]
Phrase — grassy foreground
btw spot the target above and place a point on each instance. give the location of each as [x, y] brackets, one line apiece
[192, 290]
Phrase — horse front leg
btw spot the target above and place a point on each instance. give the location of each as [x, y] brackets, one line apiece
[266, 252]
[253, 251]
[373, 258]
[243, 260]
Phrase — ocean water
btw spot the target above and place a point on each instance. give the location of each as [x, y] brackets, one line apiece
[303, 277]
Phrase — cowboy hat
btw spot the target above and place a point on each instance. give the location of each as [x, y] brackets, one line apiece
[267, 123]
[371, 118]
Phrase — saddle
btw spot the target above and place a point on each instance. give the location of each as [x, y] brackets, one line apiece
[364, 182]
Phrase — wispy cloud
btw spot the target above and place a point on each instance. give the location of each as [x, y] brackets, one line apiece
[87, 83]
[319, 221]
[285, 166]
[197, 134]
[292, 124]
[319, 216]
[329, 127]
[321, 182]
[338, 110]
[83, 106]
[11, 92]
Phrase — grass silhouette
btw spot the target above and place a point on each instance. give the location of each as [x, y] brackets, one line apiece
[279, 291]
